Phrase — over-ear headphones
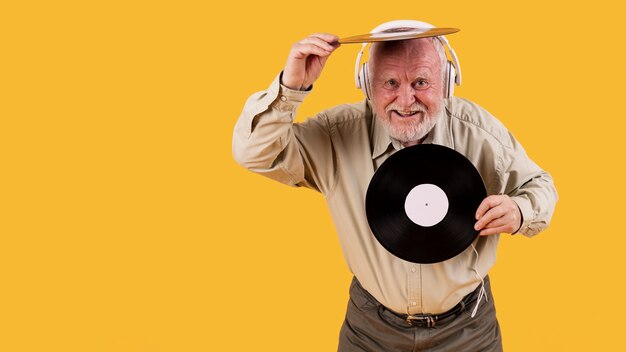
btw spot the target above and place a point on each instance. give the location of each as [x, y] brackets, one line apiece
[452, 69]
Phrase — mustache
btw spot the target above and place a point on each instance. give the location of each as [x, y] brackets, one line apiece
[415, 107]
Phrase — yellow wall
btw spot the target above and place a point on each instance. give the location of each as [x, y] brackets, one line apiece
[125, 225]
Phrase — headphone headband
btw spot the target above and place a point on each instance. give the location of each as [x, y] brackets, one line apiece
[401, 24]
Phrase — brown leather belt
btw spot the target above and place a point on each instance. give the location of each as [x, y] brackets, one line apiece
[422, 320]
[430, 320]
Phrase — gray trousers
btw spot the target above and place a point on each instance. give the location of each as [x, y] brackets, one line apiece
[370, 327]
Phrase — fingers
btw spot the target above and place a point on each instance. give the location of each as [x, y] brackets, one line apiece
[497, 214]
[487, 211]
[487, 204]
[301, 51]
[493, 231]
[316, 44]
[331, 39]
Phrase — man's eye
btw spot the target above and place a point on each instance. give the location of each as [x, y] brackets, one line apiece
[392, 83]
[421, 84]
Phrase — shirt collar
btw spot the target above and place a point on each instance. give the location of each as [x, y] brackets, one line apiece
[440, 134]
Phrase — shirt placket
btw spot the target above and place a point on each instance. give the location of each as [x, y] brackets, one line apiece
[414, 286]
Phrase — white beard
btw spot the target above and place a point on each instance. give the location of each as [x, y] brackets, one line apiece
[413, 133]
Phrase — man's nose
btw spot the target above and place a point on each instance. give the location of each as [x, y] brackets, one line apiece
[406, 96]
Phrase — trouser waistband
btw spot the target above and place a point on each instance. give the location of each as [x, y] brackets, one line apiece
[421, 320]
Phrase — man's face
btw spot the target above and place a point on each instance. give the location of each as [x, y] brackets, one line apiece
[406, 87]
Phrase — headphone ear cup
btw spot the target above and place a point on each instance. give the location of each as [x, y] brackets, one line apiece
[359, 79]
[450, 80]
[364, 80]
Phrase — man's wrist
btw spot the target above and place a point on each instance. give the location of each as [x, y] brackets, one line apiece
[521, 217]
[280, 80]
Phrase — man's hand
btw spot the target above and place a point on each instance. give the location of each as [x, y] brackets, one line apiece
[497, 214]
[306, 60]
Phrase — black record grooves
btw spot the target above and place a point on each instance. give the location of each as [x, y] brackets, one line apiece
[419, 165]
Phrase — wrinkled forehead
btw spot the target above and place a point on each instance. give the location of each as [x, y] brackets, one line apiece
[413, 48]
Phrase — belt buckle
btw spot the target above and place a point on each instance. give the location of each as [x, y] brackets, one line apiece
[428, 319]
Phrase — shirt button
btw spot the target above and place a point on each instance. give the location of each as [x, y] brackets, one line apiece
[413, 269]
[283, 98]
[414, 303]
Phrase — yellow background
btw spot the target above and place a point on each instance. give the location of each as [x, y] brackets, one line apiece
[125, 225]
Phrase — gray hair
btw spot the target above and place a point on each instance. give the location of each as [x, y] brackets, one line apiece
[441, 51]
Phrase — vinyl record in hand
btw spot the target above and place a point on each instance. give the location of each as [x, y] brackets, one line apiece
[421, 203]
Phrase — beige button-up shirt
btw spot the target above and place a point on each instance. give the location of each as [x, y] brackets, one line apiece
[337, 153]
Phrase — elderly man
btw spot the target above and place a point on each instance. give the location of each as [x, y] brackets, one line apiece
[397, 305]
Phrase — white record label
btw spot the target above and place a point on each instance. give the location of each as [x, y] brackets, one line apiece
[426, 205]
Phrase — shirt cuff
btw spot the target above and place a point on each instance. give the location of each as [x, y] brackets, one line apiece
[288, 99]
[276, 97]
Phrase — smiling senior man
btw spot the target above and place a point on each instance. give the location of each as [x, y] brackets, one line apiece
[397, 305]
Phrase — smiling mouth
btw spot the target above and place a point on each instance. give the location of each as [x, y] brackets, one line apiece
[405, 114]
